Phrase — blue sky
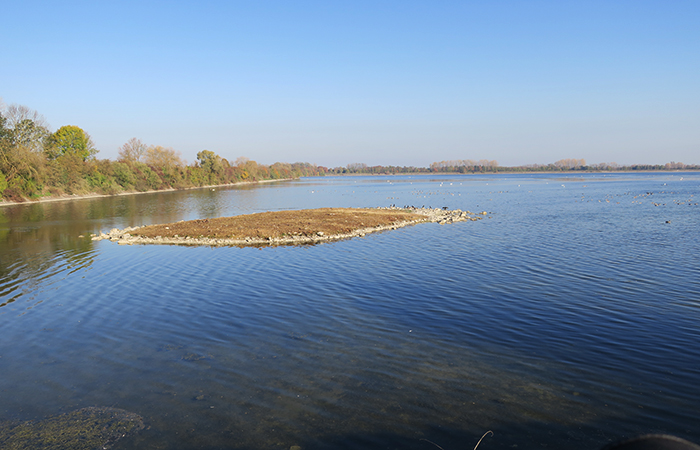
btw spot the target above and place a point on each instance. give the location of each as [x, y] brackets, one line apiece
[379, 82]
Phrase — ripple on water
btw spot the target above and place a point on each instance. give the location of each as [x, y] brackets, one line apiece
[556, 322]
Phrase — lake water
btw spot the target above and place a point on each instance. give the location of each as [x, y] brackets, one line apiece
[567, 319]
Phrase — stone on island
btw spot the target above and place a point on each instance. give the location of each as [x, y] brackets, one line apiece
[304, 226]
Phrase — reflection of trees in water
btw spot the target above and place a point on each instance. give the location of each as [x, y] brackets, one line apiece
[35, 248]
[40, 240]
[23, 272]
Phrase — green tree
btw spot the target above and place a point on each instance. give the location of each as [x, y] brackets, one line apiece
[70, 140]
[22, 132]
[123, 175]
[3, 183]
[29, 134]
[211, 163]
[4, 131]
[146, 178]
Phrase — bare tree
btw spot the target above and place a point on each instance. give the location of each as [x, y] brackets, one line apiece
[134, 150]
[241, 161]
[27, 127]
[570, 163]
[18, 113]
[357, 167]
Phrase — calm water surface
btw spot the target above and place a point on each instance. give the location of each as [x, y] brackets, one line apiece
[569, 318]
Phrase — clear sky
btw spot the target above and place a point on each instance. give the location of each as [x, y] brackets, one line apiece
[380, 82]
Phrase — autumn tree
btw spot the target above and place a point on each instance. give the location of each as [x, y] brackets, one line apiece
[163, 157]
[247, 168]
[167, 163]
[132, 151]
[70, 140]
[674, 165]
[22, 132]
[570, 163]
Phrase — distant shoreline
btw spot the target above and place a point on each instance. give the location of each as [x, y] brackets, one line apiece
[152, 191]
[361, 174]
[49, 199]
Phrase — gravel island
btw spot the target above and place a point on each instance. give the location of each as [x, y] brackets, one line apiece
[304, 226]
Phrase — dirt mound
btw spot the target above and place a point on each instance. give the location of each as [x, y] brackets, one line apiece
[285, 227]
[305, 222]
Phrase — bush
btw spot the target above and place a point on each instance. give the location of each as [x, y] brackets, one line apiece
[11, 194]
[123, 175]
[3, 183]
[147, 179]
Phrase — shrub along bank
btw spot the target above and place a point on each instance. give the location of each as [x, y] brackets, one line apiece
[35, 163]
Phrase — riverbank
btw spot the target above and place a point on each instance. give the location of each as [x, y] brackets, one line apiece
[152, 191]
[285, 227]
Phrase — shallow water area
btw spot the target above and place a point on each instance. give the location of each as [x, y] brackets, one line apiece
[568, 319]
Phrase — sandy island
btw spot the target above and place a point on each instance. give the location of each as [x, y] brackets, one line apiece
[304, 226]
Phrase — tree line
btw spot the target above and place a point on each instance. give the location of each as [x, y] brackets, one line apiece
[486, 166]
[35, 162]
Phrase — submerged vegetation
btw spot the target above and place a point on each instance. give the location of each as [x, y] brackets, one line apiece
[35, 163]
[87, 428]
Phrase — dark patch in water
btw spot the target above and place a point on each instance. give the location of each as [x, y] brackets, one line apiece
[87, 428]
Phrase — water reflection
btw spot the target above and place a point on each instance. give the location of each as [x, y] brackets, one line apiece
[558, 323]
[36, 244]
[40, 240]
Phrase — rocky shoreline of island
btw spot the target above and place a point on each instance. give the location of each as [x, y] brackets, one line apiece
[130, 235]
